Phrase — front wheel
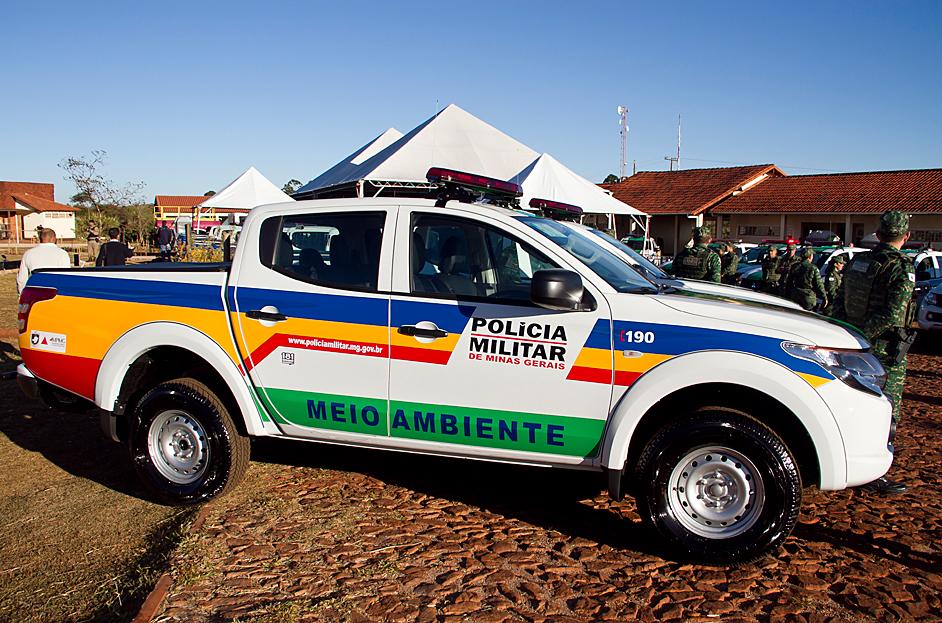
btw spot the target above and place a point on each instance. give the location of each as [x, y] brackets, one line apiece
[719, 486]
[184, 445]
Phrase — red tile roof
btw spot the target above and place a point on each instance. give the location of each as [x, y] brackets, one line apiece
[37, 189]
[43, 205]
[178, 201]
[690, 191]
[917, 191]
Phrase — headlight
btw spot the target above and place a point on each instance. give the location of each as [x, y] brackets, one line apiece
[857, 368]
[932, 299]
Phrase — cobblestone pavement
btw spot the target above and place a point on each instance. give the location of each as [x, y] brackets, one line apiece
[320, 533]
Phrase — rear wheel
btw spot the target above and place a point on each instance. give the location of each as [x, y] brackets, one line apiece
[184, 445]
[719, 486]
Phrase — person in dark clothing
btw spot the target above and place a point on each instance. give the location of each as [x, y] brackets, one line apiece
[114, 252]
[165, 241]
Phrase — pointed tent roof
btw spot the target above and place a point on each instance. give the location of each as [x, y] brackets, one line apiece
[452, 139]
[547, 178]
[245, 192]
[346, 170]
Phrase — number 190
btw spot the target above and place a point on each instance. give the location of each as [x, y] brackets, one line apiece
[637, 337]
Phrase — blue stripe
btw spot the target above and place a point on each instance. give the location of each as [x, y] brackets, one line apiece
[451, 317]
[601, 335]
[169, 293]
[313, 306]
[674, 340]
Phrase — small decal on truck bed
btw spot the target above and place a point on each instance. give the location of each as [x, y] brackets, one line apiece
[43, 340]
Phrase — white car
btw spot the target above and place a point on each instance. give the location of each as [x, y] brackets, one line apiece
[929, 314]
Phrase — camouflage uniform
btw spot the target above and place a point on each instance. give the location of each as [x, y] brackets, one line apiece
[832, 283]
[805, 284]
[772, 274]
[785, 266]
[697, 262]
[729, 262]
[876, 296]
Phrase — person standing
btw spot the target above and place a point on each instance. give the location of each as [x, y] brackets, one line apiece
[46, 254]
[876, 297]
[729, 262]
[165, 242]
[832, 283]
[699, 261]
[805, 284]
[771, 271]
[94, 245]
[789, 260]
[114, 252]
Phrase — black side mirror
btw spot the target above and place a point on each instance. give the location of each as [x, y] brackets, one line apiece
[555, 288]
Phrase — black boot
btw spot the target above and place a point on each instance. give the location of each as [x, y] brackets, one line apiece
[884, 486]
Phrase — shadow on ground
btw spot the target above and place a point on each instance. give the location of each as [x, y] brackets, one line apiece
[73, 442]
[545, 497]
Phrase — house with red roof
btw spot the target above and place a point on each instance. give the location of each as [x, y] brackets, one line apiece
[760, 202]
[168, 207]
[26, 206]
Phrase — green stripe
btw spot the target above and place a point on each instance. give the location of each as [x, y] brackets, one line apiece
[507, 430]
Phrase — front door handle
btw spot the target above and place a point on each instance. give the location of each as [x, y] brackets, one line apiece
[265, 314]
[433, 332]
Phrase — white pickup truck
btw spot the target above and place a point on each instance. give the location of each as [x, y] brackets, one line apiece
[465, 330]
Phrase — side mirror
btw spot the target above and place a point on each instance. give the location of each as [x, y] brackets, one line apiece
[559, 289]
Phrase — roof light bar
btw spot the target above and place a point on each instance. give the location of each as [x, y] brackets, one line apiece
[556, 209]
[438, 175]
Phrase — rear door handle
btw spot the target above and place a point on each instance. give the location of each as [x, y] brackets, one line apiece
[415, 331]
[261, 314]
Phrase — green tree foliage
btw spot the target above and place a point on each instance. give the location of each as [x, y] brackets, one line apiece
[291, 186]
[103, 203]
[611, 178]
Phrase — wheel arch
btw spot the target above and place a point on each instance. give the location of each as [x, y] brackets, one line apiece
[160, 351]
[783, 401]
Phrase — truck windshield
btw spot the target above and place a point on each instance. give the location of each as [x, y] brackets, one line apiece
[600, 260]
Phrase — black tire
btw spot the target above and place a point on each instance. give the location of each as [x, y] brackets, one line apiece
[730, 464]
[188, 414]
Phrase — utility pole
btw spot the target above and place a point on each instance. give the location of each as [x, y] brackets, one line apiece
[623, 140]
[671, 160]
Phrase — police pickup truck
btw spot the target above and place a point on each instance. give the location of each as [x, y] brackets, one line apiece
[471, 330]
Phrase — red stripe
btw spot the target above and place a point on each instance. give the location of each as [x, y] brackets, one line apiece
[626, 378]
[76, 374]
[424, 355]
[304, 342]
[591, 375]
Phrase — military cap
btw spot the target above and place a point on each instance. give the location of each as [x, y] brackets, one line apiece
[840, 259]
[791, 246]
[894, 223]
[701, 232]
[807, 252]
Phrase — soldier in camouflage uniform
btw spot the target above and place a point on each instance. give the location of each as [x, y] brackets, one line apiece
[771, 271]
[805, 284]
[876, 297]
[699, 261]
[832, 283]
[729, 262]
[789, 260]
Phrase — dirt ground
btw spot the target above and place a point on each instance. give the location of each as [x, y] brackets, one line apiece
[78, 541]
[320, 533]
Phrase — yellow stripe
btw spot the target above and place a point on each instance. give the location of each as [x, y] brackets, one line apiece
[601, 358]
[91, 326]
[813, 379]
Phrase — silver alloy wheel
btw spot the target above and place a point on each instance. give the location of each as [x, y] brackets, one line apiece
[177, 446]
[716, 492]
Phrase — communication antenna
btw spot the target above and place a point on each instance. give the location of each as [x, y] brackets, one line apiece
[678, 141]
[623, 140]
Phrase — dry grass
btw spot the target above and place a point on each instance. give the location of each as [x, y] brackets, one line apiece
[78, 541]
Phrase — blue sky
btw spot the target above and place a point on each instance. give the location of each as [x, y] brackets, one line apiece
[186, 95]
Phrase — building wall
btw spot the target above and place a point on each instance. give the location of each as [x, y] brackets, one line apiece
[63, 223]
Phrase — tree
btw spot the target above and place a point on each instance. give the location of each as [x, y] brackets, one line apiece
[291, 186]
[97, 196]
[209, 193]
[611, 178]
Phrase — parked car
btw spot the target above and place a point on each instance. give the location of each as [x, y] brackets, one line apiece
[929, 312]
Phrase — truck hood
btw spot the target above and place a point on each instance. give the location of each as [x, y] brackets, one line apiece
[745, 316]
[734, 293]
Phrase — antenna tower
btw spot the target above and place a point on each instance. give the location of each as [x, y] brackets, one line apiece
[622, 140]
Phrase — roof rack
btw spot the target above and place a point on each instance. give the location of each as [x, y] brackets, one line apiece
[472, 188]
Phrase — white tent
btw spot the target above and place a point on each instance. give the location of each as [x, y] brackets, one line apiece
[453, 139]
[347, 169]
[245, 192]
[547, 178]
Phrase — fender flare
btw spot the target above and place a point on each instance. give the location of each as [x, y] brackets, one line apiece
[136, 342]
[736, 368]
